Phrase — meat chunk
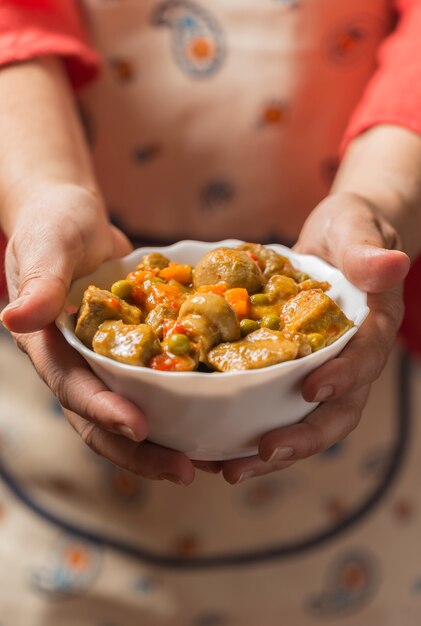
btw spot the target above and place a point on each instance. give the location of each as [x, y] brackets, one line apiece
[209, 319]
[153, 260]
[260, 348]
[157, 292]
[279, 288]
[271, 262]
[158, 317]
[133, 344]
[235, 268]
[312, 311]
[99, 305]
[312, 283]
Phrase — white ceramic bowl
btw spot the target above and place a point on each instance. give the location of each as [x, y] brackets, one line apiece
[214, 416]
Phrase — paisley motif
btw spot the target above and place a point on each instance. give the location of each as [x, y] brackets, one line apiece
[198, 42]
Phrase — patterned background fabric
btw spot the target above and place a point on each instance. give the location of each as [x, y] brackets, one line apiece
[335, 537]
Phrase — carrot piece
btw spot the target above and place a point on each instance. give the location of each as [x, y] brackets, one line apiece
[170, 363]
[218, 289]
[241, 308]
[162, 362]
[179, 328]
[181, 273]
[239, 299]
[168, 326]
[139, 276]
[167, 295]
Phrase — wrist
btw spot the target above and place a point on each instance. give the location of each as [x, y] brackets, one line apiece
[42, 145]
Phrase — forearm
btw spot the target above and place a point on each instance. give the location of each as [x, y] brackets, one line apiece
[41, 140]
[383, 165]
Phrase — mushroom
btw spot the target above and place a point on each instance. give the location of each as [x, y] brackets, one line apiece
[272, 263]
[235, 268]
[280, 287]
[208, 320]
[153, 260]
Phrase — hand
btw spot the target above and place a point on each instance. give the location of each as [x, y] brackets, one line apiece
[58, 237]
[350, 233]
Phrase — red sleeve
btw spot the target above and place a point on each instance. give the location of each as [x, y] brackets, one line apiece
[393, 95]
[33, 28]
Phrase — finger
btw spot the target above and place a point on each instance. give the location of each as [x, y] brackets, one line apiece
[357, 239]
[144, 459]
[77, 388]
[372, 269]
[240, 470]
[39, 277]
[363, 359]
[121, 243]
[329, 423]
[279, 449]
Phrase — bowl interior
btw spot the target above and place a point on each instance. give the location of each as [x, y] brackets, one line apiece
[351, 300]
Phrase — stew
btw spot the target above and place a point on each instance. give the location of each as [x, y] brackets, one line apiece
[238, 309]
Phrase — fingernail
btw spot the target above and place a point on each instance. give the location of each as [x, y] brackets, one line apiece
[126, 431]
[246, 475]
[324, 393]
[11, 307]
[172, 478]
[281, 454]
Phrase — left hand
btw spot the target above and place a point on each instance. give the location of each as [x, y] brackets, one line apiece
[350, 233]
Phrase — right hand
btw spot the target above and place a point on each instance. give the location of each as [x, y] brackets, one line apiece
[62, 233]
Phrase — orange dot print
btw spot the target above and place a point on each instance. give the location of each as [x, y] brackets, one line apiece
[354, 576]
[347, 42]
[187, 546]
[201, 48]
[123, 69]
[274, 113]
[125, 484]
[77, 558]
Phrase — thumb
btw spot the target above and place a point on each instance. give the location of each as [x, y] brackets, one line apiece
[373, 268]
[358, 240]
[38, 277]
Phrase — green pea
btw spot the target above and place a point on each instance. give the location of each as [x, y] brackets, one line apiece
[179, 344]
[317, 341]
[122, 288]
[271, 321]
[302, 277]
[260, 299]
[248, 326]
